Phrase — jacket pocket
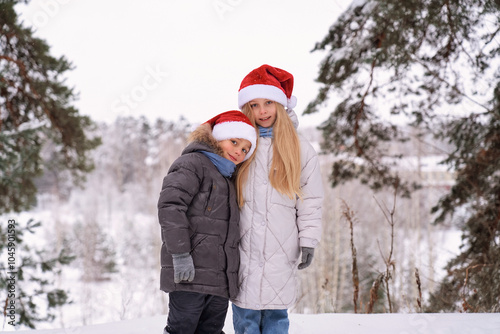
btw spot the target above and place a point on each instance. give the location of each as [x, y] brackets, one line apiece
[212, 190]
[196, 239]
[206, 251]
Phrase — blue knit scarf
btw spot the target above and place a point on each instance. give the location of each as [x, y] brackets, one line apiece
[224, 166]
[265, 132]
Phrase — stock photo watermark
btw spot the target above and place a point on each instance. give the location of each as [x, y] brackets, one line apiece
[49, 9]
[11, 274]
[127, 102]
[224, 6]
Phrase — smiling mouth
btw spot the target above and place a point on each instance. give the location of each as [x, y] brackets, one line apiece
[265, 119]
[232, 158]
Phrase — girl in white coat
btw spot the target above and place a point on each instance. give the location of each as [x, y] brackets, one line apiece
[280, 194]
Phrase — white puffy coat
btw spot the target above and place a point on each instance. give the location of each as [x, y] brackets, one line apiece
[273, 228]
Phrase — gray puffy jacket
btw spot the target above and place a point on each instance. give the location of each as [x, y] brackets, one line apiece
[198, 213]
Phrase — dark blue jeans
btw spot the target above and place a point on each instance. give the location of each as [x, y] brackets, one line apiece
[196, 313]
[248, 321]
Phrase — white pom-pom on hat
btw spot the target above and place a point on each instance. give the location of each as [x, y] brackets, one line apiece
[291, 102]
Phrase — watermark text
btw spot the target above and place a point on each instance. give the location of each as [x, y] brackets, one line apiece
[10, 304]
[128, 101]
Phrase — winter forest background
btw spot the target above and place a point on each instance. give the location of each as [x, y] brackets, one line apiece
[410, 156]
[110, 226]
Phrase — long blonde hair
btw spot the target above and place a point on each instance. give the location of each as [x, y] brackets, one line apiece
[285, 171]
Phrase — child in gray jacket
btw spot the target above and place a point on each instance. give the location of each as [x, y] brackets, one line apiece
[199, 218]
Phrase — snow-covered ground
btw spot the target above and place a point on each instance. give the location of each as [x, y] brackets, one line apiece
[428, 323]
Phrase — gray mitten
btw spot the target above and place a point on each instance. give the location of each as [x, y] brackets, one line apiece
[183, 267]
[307, 257]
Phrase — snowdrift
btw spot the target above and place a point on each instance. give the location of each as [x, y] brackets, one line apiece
[428, 323]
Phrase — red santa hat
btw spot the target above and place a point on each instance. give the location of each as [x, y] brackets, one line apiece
[234, 124]
[267, 82]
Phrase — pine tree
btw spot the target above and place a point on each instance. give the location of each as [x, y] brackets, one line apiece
[35, 107]
[35, 110]
[432, 66]
[27, 291]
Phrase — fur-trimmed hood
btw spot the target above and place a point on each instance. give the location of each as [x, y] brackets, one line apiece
[201, 139]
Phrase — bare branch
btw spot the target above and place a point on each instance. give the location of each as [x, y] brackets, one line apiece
[349, 215]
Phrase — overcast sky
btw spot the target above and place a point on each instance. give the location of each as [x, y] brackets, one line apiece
[167, 58]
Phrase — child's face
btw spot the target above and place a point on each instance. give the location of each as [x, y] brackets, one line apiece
[235, 149]
[264, 112]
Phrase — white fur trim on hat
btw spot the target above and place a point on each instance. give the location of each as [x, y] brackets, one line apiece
[236, 129]
[259, 91]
